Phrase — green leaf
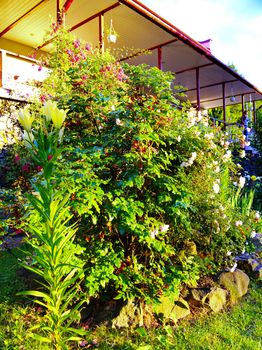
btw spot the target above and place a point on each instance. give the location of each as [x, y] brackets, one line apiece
[41, 338]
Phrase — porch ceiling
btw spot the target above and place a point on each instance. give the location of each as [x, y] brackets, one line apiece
[27, 21]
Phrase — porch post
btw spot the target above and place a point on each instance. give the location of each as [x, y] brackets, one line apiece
[2, 68]
[243, 103]
[58, 13]
[224, 105]
[159, 57]
[254, 112]
[198, 89]
[101, 32]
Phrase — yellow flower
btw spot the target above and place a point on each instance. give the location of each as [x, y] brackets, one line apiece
[58, 118]
[253, 178]
[25, 119]
[49, 109]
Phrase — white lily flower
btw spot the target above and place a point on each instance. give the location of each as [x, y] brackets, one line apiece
[241, 182]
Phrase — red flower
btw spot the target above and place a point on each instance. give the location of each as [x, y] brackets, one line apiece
[18, 231]
[26, 168]
[17, 159]
[39, 168]
[49, 157]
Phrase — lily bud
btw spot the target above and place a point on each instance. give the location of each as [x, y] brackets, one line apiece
[25, 119]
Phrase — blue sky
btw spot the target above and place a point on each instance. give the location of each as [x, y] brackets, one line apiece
[235, 27]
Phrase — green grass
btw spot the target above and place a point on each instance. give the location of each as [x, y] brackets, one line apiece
[10, 283]
[238, 329]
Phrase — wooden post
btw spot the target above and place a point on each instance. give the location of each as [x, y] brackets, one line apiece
[2, 68]
[224, 105]
[101, 32]
[198, 89]
[159, 57]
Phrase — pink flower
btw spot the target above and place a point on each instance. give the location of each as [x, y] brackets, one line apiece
[40, 68]
[88, 47]
[39, 168]
[43, 98]
[17, 159]
[26, 168]
[76, 43]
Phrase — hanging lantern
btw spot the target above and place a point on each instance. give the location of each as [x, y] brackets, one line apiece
[232, 97]
[112, 35]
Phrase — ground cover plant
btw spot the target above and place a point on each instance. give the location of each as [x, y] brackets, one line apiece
[129, 193]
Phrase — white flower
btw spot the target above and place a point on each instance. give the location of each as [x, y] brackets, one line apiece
[119, 122]
[247, 143]
[193, 156]
[242, 154]
[248, 129]
[238, 223]
[226, 156]
[242, 181]
[28, 138]
[229, 253]
[226, 144]
[178, 138]
[217, 169]
[164, 228]
[60, 135]
[154, 233]
[257, 215]
[113, 108]
[216, 187]
[209, 136]
[253, 234]
[233, 268]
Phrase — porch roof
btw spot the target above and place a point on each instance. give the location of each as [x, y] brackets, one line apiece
[24, 23]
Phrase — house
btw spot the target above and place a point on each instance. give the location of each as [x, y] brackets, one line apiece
[209, 82]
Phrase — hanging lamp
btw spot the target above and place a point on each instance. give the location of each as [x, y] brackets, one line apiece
[112, 35]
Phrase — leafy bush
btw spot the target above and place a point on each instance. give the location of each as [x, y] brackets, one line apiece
[149, 181]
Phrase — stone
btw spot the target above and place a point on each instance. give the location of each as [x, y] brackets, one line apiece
[170, 307]
[199, 294]
[130, 316]
[180, 310]
[217, 299]
[236, 283]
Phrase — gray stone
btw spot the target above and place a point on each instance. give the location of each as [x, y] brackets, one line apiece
[217, 299]
[172, 307]
[236, 283]
[133, 315]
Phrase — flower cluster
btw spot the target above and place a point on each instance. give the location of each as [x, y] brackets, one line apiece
[190, 160]
[52, 112]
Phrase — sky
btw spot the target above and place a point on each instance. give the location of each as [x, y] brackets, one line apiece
[235, 27]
